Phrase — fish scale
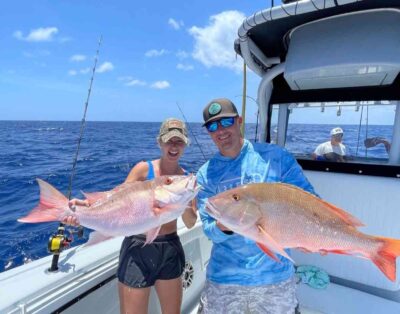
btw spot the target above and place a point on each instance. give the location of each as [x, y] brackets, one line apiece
[279, 216]
[126, 210]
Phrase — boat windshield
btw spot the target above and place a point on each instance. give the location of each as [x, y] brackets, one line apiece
[359, 132]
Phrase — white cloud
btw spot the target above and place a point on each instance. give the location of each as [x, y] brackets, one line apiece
[105, 67]
[181, 54]
[184, 67]
[214, 42]
[64, 39]
[37, 35]
[125, 78]
[77, 58]
[81, 71]
[175, 24]
[85, 71]
[160, 85]
[156, 53]
[135, 83]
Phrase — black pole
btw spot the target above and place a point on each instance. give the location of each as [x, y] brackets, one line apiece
[60, 231]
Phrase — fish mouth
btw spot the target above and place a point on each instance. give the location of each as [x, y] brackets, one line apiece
[212, 210]
[192, 185]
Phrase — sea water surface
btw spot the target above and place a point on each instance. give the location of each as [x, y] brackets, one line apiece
[35, 149]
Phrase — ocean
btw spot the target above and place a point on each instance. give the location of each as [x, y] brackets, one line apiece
[45, 149]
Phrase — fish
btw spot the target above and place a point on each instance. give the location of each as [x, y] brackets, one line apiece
[126, 210]
[280, 216]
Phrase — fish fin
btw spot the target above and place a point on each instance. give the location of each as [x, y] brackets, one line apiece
[272, 244]
[342, 252]
[52, 204]
[151, 235]
[96, 237]
[385, 258]
[348, 218]
[303, 249]
[267, 251]
[93, 197]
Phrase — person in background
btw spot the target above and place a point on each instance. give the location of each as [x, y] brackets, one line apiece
[160, 263]
[240, 278]
[332, 150]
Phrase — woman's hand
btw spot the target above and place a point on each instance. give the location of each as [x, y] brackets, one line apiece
[73, 220]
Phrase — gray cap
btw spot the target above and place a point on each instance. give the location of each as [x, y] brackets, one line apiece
[219, 108]
[173, 127]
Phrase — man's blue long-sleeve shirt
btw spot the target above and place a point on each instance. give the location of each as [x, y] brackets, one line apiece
[235, 259]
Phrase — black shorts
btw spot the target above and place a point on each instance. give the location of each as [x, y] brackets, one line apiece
[140, 266]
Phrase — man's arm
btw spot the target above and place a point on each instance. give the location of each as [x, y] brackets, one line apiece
[292, 173]
[210, 227]
[189, 216]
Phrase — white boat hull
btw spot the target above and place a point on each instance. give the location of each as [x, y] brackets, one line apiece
[86, 282]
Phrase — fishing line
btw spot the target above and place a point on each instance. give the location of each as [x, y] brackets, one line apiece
[83, 123]
[191, 132]
[59, 241]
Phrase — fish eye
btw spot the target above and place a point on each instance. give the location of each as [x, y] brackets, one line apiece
[236, 197]
[168, 181]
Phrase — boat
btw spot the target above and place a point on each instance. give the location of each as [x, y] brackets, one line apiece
[331, 59]
[310, 55]
[86, 282]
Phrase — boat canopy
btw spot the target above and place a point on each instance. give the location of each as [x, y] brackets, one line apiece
[262, 38]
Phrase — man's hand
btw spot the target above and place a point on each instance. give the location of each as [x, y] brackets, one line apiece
[222, 227]
[157, 210]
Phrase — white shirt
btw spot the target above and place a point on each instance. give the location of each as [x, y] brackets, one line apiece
[327, 147]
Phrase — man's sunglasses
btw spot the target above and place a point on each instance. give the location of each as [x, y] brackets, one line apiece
[224, 122]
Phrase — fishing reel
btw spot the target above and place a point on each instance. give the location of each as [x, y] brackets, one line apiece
[58, 242]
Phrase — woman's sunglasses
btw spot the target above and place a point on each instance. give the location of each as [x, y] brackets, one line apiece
[224, 122]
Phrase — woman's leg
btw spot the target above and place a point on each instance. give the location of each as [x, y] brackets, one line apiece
[133, 300]
[170, 295]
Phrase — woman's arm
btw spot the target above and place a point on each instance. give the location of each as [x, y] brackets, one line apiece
[138, 172]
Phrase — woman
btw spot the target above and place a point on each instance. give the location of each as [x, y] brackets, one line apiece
[160, 263]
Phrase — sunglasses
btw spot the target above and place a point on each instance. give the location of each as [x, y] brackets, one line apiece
[224, 122]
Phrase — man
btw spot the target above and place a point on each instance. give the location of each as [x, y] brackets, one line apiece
[240, 277]
[332, 150]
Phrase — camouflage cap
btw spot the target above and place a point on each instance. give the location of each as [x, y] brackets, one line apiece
[173, 127]
[219, 108]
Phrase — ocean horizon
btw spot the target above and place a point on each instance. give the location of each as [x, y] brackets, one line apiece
[109, 149]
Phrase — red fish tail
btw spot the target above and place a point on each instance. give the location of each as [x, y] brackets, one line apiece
[51, 205]
[385, 258]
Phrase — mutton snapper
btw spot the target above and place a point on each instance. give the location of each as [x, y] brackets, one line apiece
[278, 216]
[124, 211]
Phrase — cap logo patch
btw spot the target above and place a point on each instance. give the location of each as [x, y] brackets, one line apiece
[175, 124]
[214, 108]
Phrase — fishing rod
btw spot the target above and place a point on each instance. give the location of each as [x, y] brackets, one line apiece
[191, 132]
[258, 112]
[59, 241]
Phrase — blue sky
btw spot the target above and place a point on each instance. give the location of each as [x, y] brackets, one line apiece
[154, 54]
